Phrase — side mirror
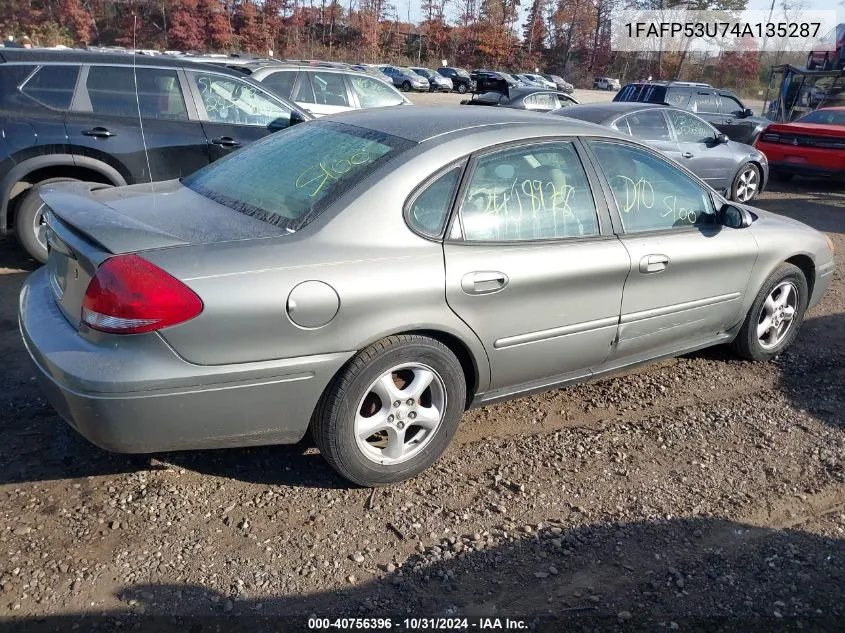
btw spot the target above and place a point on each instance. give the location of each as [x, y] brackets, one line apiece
[734, 217]
[722, 138]
[748, 112]
[296, 117]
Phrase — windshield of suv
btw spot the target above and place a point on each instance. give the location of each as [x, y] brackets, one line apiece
[288, 178]
[824, 117]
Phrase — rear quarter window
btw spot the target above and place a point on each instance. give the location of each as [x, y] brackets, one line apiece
[52, 86]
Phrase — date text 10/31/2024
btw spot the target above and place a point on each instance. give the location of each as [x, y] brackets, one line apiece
[417, 624]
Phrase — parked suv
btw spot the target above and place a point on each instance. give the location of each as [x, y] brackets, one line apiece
[405, 78]
[461, 80]
[77, 115]
[605, 83]
[721, 108]
[323, 91]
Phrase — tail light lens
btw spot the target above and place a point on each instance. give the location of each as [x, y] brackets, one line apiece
[129, 295]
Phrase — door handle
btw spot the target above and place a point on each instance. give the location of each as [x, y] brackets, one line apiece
[225, 141]
[483, 282]
[654, 263]
[98, 132]
[687, 154]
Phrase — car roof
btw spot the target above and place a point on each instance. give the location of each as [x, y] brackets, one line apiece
[32, 55]
[422, 124]
[602, 112]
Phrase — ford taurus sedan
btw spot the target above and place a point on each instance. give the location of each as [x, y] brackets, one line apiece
[372, 275]
[738, 170]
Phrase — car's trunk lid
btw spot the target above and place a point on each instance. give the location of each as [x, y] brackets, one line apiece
[87, 223]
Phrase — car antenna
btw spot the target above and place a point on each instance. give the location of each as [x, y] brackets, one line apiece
[138, 103]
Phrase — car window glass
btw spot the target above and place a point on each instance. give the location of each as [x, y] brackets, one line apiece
[677, 98]
[430, 209]
[538, 192]
[288, 179]
[563, 102]
[305, 91]
[706, 102]
[650, 194]
[690, 129]
[111, 90]
[53, 86]
[540, 101]
[281, 82]
[373, 93]
[329, 89]
[729, 105]
[649, 125]
[229, 100]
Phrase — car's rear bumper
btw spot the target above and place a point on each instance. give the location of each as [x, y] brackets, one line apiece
[138, 396]
[808, 170]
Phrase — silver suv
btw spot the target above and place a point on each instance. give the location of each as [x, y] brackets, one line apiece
[322, 90]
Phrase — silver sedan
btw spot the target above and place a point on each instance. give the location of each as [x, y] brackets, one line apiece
[372, 275]
[738, 170]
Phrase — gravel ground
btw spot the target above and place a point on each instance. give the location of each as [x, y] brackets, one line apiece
[699, 492]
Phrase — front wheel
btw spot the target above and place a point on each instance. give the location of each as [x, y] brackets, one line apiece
[775, 317]
[406, 86]
[462, 89]
[746, 184]
[392, 411]
[30, 227]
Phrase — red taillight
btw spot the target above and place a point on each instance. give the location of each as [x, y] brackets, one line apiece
[129, 295]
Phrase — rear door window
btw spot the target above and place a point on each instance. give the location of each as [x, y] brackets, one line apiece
[329, 88]
[678, 97]
[649, 126]
[704, 102]
[111, 90]
[281, 82]
[52, 86]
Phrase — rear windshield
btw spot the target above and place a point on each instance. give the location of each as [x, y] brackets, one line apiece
[288, 178]
[824, 117]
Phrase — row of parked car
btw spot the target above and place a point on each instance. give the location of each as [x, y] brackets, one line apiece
[121, 119]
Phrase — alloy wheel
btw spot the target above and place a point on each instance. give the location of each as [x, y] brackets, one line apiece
[777, 315]
[400, 413]
[747, 185]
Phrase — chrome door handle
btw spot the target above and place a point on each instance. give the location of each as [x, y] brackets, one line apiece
[98, 132]
[687, 154]
[483, 282]
[225, 141]
[654, 263]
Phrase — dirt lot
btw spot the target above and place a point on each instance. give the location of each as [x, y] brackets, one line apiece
[700, 492]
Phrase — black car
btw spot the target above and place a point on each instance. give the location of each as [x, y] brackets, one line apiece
[461, 81]
[497, 92]
[76, 115]
[721, 108]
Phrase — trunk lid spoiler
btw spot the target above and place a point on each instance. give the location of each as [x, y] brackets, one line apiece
[111, 230]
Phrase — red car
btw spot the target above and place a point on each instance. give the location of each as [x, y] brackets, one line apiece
[813, 145]
[830, 53]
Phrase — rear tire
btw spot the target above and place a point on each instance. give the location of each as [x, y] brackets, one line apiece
[29, 221]
[364, 435]
[773, 321]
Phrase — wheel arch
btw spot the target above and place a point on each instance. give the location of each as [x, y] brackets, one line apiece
[808, 267]
[40, 168]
